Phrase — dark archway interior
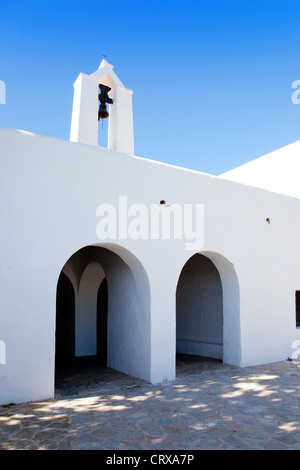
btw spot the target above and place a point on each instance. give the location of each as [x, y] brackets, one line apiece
[65, 321]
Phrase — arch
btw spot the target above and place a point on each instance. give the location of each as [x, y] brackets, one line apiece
[208, 308]
[128, 306]
[199, 309]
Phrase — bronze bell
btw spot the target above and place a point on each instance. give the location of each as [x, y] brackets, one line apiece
[104, 98]
[102, 113]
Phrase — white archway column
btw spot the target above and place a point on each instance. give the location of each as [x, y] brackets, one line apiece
[163, 318]
[86, 311]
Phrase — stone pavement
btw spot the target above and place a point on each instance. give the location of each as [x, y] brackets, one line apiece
[208, 406]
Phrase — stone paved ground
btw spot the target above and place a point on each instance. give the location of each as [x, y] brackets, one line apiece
[209, 406]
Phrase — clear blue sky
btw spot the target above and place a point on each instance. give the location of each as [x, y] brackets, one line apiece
[211, 79]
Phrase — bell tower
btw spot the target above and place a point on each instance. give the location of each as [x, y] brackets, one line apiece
[99, 96]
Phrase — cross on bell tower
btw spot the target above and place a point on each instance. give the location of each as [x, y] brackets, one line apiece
[86, 114]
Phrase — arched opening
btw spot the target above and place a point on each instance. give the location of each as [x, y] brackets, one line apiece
[199, 309]
[207, 309]
[110, 320]
[65, 322]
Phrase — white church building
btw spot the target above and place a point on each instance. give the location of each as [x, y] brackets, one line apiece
[109, 255]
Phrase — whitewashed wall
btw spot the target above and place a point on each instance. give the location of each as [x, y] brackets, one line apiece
[50, 191]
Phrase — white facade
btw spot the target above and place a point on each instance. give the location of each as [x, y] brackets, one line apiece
[235, 302]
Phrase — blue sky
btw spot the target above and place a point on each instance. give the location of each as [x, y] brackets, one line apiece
[211, 79]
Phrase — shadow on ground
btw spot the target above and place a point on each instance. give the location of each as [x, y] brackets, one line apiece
[209, 406]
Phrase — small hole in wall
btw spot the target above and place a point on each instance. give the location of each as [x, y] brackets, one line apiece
[268, 220]
[162, 201]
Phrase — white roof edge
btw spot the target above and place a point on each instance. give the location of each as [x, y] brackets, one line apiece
[265, 156]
